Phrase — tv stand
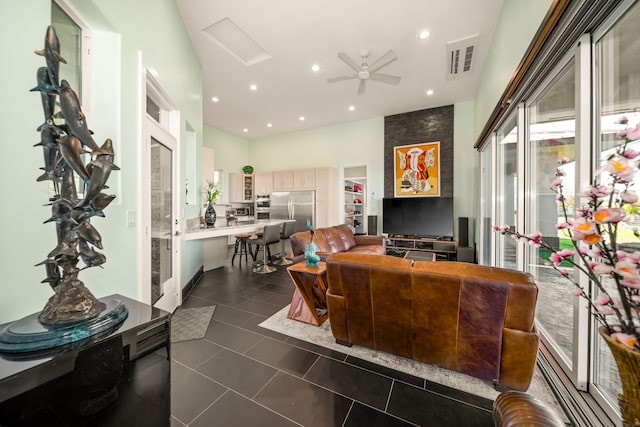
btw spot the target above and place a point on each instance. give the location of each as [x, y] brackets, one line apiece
[446, 249]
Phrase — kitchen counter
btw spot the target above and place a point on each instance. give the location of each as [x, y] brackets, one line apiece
[227, 230]
[215, 240]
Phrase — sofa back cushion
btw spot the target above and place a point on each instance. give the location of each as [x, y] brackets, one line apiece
[375, 288]
[339, 238]
[301, 239]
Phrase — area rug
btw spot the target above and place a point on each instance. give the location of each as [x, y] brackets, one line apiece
[190, 323]
[322, 336]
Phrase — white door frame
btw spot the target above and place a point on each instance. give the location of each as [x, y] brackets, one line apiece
[168, 131]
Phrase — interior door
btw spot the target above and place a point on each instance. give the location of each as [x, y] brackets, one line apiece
[164, 233]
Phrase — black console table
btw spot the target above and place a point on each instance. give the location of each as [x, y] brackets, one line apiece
[442, 248]
[121, 378]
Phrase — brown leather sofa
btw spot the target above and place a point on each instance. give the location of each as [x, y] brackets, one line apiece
[338, 238]
[468, 318]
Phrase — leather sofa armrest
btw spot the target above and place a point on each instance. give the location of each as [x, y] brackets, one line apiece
[519, 355]
[370, 240]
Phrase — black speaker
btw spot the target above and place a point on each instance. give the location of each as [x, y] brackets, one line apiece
[372, 225]
[463, 231]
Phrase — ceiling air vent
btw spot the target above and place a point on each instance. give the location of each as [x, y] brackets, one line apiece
[460, 57]
[237, 42]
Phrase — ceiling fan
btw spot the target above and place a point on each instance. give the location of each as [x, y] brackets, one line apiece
[364, 71]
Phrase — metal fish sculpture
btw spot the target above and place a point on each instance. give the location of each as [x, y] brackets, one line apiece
[51, 53]
[75, 119]
[53, 272]
[89, 234]
[71, 150]
[60, 212]
[68, 191]
[99, 169]
[89, 256]
[48, 136]
[66, 244]
[47, 95]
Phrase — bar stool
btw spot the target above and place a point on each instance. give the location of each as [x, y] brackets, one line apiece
[270, 235]
[287, 230]
[241, 248]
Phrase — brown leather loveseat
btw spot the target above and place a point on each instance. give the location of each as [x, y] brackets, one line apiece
[338, 238]
[468, 318]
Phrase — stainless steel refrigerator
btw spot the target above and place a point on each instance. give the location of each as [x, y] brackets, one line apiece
[297, 205]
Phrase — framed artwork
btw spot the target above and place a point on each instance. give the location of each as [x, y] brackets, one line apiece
[417, 170]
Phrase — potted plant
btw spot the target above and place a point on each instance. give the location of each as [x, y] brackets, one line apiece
[213, 192]
[612, 267]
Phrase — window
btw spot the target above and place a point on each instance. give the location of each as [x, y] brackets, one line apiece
[618, 95]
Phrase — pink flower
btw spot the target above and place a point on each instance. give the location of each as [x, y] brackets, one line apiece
[556, 183]
[603, 299]
[562, 226]
[608, 215]
[601, 268]
[577, 292]
[631, 282]
[629, 196]
[634, 134]
[626, 340]
[564, 160]
[623, 120]
[582, 226]
[630, 154]
[534, 239]
[598, 191]
[564, 272]
[627, 268]
[560, 172]
[558, 257]
[605, 310]
[620, 167]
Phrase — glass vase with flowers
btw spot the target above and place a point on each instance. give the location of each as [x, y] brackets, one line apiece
[613, 268]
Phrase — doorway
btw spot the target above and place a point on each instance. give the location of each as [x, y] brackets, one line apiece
[160, 198]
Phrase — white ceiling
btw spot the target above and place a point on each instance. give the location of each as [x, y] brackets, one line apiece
[300, 33]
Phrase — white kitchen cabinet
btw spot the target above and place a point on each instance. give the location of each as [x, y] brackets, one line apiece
[263, 183]
[304, 179]
[283, 180]
[240, 188]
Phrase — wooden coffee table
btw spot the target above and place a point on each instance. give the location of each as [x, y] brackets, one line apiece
[309, 302]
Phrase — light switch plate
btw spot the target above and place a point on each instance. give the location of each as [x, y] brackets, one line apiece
[131, 219]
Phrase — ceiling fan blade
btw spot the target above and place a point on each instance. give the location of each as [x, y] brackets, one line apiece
[383, 61]
[350, 62]
[362, 86]
[385, 78]
[338, 79]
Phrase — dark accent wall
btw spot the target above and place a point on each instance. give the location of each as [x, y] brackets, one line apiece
[433, 124]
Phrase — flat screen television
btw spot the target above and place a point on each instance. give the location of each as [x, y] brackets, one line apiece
[418, 216]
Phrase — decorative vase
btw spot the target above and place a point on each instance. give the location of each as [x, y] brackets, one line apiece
[210, 215]
[628, 362]
[310, 256]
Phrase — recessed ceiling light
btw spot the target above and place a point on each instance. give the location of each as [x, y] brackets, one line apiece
[351, 108]
[215, 99]
[253, 87]
[424, 35]
[245, 130]
[430, 92]
[315, 68]
[269, 125]
[301, 118]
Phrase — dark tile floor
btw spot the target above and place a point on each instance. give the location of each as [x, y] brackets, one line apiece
[240, 374]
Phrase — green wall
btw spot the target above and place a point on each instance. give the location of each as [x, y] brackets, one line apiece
[113, 111]
[230, 154]
[519, 20]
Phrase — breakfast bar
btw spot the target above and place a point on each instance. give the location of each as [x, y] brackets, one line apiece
[215, 240]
